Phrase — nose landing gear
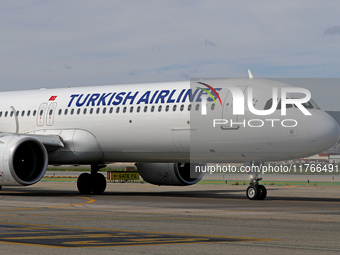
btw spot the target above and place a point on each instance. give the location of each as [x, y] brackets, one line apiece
[255, 191]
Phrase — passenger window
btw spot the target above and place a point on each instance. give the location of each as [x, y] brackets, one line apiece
[131, 109]
[23, 113]
[174, 108]
[182, 107]
[17, 113]
[111, 109]
[85, 110]
[50, 113]
[6, 113]
[72, 111]
[60, 111]
[197, 107]
[117, 110]
[65, 112]
[0, 114]
[28, 113]
[167, 108]
[152, 108]
[34, 112]
[104, 110]
[11, 114]
[212, 107]
[91, 110]
[98, 110]
[145, 108]
[78, 111]
[159, 108]
[189, 107]
[124, 109]
[138, 109]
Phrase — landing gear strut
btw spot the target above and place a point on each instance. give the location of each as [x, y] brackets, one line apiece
[255, 191]
[92, 183]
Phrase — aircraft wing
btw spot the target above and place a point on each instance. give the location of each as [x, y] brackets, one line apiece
[51, 142]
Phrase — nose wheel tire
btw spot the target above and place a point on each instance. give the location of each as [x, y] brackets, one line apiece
[252, 192]
[262, 192]
[256, 192]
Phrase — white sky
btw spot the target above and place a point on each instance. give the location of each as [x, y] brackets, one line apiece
[81, 42]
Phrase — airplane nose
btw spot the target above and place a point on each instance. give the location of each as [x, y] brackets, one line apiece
[324, 131]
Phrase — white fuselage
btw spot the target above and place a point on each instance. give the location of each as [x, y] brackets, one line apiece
[153, 123]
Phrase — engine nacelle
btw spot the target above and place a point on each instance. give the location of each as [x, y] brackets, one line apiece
[167, 174]
[23, 160]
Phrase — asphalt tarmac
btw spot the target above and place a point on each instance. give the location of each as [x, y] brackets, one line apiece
[137, 218]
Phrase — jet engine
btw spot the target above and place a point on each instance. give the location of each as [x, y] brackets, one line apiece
[169, 173]
[23, 160]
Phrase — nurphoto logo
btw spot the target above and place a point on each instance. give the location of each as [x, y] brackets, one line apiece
[239, 100]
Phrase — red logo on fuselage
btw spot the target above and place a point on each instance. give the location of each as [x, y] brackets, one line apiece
[52, 98]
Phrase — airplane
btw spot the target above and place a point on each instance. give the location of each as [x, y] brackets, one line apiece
[167, 129]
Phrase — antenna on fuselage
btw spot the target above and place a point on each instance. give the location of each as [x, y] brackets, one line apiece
[250, 74]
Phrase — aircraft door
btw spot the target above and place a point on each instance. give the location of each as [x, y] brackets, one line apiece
[50, 114]
[41, 114]
[227, 112]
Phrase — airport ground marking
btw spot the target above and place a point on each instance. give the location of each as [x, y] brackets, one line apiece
[89, 201]
[81, 237]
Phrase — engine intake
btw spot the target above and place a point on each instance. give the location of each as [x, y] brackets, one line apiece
[23, 160]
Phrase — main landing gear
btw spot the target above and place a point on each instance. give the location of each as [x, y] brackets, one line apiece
[255, 191]
[94, 182]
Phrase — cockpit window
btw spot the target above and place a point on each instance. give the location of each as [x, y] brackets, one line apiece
[314, 104]
[308, 105]
[279, 105]
[269, 104]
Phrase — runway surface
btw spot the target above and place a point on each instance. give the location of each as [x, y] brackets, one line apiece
[134, 218]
